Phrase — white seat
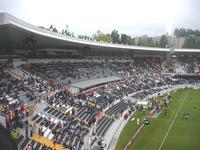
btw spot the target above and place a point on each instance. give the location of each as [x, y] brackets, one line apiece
[47, 132]
[50, 136]
[52, 119]
[56, 121]
[43, 129]
[13, 101]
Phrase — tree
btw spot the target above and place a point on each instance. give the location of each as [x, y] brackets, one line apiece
[197, 42]
[141, 42]
[63, 31]
[72, 34]
[51, 27]
[189, 42]
[163, 41]
[115, 36]
[124, 39]
[176, 32]
[150, 42]
[86, 37]
[130, 40]
[182, 32]
[55, 30]
[100, 36]
[192, 42]
[80, 36]
[157, 44]
[41, 27]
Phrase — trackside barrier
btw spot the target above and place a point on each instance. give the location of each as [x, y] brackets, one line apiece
[173, 88]
[133, 137]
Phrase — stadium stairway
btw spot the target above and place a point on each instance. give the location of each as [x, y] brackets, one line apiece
[108, 119]
[48, 143]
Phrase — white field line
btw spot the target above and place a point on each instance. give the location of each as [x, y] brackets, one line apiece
[183, 100]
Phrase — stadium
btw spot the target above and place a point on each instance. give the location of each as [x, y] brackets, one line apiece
[65, 93]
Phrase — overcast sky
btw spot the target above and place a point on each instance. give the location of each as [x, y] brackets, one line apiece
[133, 17]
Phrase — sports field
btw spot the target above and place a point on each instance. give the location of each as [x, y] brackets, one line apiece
[170, 132]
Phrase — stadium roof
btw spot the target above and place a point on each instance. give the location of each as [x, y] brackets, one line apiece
[17, 34]
[95, 82]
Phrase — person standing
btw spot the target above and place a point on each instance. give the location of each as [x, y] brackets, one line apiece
[31, 131]
[26, 131]
[138, 121]
[165, 111]
[30, 146]
[27, 111]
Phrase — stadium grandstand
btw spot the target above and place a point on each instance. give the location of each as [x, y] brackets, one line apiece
[64, 93]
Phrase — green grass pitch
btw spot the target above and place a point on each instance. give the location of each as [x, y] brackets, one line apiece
[170, 132]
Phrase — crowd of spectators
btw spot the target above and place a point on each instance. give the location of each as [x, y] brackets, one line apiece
[186, 65]
[140, 77]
